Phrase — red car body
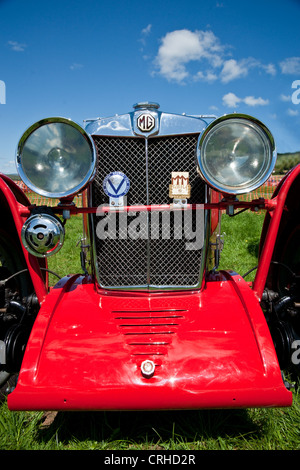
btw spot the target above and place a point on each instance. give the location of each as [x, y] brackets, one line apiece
[210, 347]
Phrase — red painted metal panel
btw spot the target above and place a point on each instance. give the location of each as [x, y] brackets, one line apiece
[272, 230]
[211, 349]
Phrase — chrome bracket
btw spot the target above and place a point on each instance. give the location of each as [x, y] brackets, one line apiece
[116, 202]
[83, 254]
[180, 202]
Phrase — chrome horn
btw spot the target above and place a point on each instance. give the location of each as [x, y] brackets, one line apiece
[42, 235]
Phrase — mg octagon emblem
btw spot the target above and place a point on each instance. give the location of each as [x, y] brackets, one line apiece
[146, 122]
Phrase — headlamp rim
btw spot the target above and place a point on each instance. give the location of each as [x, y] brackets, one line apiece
[29, 131]
[273, 153]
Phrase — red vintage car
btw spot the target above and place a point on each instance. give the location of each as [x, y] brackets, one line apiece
[150, 322]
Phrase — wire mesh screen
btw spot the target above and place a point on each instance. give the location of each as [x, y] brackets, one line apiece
[147, 248]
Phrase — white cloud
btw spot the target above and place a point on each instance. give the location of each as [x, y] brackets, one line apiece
[183, 46]
[147, 30]
[144, 34]
[251, 101]
[290, 66]
[76, 66]
[285, 98]
[233, 69]
[270, 69]
[207, 76]
[292, 112]
[17, 46]
[232, 101]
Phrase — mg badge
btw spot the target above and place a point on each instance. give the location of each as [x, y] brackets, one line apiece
[116, 184]
[180, 187]
[146, 122]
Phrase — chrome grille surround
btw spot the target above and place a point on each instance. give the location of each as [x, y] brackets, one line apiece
[149, 262]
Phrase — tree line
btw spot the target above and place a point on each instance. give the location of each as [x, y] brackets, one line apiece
[286, 161]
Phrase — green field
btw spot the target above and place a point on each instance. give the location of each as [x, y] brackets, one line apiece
[246, 429]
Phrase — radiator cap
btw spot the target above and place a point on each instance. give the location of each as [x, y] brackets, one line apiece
[146, 105]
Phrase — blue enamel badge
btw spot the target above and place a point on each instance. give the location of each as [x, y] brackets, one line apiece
[116, 184]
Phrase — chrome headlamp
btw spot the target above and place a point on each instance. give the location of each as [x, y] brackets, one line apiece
[56, 157]
[236, 154]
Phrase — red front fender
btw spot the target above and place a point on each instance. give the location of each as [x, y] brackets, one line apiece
[286, 211]
[211, 349]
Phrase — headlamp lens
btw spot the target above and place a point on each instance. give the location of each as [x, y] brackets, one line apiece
[56, 158]
[236, 155]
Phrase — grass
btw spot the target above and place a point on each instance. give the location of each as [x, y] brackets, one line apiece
[67, 260]
[241, 242]
[246, 429]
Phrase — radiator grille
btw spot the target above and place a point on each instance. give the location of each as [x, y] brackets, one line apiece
[149, 259]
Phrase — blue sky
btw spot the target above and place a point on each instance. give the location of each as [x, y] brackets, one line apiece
[97, 58]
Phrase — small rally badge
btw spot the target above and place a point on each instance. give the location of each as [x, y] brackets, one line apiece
[180, 187]
[116, 184]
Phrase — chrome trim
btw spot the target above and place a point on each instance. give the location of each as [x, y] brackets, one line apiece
[253, 121]
[148, 224]
[168, 123]
[89, 176]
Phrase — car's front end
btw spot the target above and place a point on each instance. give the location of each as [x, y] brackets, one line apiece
[150, 322]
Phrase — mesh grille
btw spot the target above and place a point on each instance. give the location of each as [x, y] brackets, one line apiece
[149, 255]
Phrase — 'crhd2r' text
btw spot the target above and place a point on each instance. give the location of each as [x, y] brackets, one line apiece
[151, 459]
